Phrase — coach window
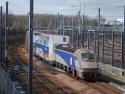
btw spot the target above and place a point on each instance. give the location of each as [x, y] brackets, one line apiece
[64, 39]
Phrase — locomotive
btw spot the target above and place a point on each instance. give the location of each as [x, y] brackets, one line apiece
[57, 50]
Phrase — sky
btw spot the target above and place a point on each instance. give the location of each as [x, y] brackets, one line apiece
[111, 9]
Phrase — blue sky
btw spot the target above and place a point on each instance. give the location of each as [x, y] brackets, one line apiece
[109, 8]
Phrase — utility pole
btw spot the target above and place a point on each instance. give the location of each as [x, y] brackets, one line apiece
[63, 25]
[57, 24]
[80, 7]
[98, 36]
[123, 18]
[6, 34]
[99, 18]
[112, 60]
[72, 30]
[30, 47]
[123, 42]
[79, 20]
[83, 29]
[79, 27]
[83, 26]
[60, 25]
[49, 23]
[1, 29]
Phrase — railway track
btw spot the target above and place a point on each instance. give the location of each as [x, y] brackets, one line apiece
[42, 83]
[105, 88]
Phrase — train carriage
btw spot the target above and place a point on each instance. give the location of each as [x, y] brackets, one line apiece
[44, 44]
[56, 50]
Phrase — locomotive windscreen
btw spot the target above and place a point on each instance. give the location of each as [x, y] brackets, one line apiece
[87, 56]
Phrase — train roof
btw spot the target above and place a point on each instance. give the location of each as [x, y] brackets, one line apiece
[72, 49]
[68, 48]
[85, 50]
[48, 33]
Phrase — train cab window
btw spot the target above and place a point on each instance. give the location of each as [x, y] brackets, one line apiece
[87, 57]
[84, 56]
[91, 57]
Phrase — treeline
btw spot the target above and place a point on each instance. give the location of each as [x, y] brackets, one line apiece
[43, 21]
[15, 23]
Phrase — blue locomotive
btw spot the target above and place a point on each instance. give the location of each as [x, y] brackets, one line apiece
[57, 50]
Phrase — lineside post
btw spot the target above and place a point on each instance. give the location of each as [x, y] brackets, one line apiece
[97, 57]
[1, 26]
[6, 34]
[30, 48]
[123, 42]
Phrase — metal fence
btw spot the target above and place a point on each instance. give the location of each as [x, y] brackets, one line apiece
[6, 85]
[110, 48]
[108, 44]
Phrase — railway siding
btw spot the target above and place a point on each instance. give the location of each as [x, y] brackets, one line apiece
[49, 80]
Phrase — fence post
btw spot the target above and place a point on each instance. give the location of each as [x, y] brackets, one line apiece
[123, 49]
[1, 25]
[112, 59]
[102, 46]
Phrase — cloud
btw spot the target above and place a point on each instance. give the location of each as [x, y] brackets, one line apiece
[108, 7]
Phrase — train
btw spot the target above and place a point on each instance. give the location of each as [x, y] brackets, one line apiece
[57, 50]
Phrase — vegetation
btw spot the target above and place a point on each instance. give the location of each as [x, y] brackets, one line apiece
[41, 21]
